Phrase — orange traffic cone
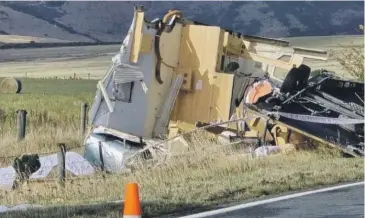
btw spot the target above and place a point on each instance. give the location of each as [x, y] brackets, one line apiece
[132, 205]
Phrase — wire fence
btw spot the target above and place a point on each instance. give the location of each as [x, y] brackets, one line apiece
[58, 157]
[72, 165]
[22, 120]
[61, 157]
[55, 166]
[43, 164]
[41, 153]
[74, 76]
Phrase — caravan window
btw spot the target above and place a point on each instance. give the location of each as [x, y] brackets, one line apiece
[123, 91]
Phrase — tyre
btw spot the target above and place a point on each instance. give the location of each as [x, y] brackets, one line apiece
[305, 72]
[296, 79]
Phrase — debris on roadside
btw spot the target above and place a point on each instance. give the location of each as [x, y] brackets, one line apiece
[32, 167]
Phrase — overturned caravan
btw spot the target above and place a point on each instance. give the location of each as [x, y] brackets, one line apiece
[173, 71]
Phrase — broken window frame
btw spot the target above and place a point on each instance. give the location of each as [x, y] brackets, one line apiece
[127, 97]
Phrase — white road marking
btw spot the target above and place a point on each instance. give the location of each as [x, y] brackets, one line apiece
[271, 200]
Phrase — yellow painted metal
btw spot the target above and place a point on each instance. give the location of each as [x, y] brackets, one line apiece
[137, 36]
[281, 137]
[147, 43]
[195, 51]
[233, 45]
[188, 78]
[169, 50]
[259, 124]
[208, 98]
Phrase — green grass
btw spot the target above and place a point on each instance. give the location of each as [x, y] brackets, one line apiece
[48, 100]
[53, 105]
[63, 87]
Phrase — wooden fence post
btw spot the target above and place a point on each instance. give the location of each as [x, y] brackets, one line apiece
[21, 124]
[61, 159]
[84, 107]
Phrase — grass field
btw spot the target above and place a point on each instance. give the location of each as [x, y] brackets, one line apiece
[194, 180]
[53, 107]
[95, 67]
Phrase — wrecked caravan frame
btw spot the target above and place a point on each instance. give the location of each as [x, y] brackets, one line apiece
[317, 104]
[174, 71]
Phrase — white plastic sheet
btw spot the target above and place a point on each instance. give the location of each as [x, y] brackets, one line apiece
[75, 163]
[7, 177]
[3, 209]
[18, 207]
[264, 151]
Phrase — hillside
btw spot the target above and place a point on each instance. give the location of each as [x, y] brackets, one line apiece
[108, 21]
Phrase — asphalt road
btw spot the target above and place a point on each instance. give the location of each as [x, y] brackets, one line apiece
[93, 61]
[29, 54]
[341, 203]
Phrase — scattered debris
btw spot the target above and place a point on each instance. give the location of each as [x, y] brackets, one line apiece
[40, 167]
[25, 166]
[323, 107]
[264, 151]
[112, 149]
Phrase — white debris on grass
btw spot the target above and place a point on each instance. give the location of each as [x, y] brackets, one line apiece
[19, 207]
[3, 208]
[75, 163]
[266, 150]
[7, 177]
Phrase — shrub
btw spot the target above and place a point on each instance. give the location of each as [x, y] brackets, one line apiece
[351, 58]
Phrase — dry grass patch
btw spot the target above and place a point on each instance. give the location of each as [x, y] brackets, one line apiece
[61, 68]
[53, 108]
[42, 140]
[335, 45]
[198, 181]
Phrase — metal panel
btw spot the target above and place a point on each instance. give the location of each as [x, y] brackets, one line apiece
[163, 119]
[128, 117]
[125, 73]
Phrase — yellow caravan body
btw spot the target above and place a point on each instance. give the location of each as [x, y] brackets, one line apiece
[206, 93]
[199, 54]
